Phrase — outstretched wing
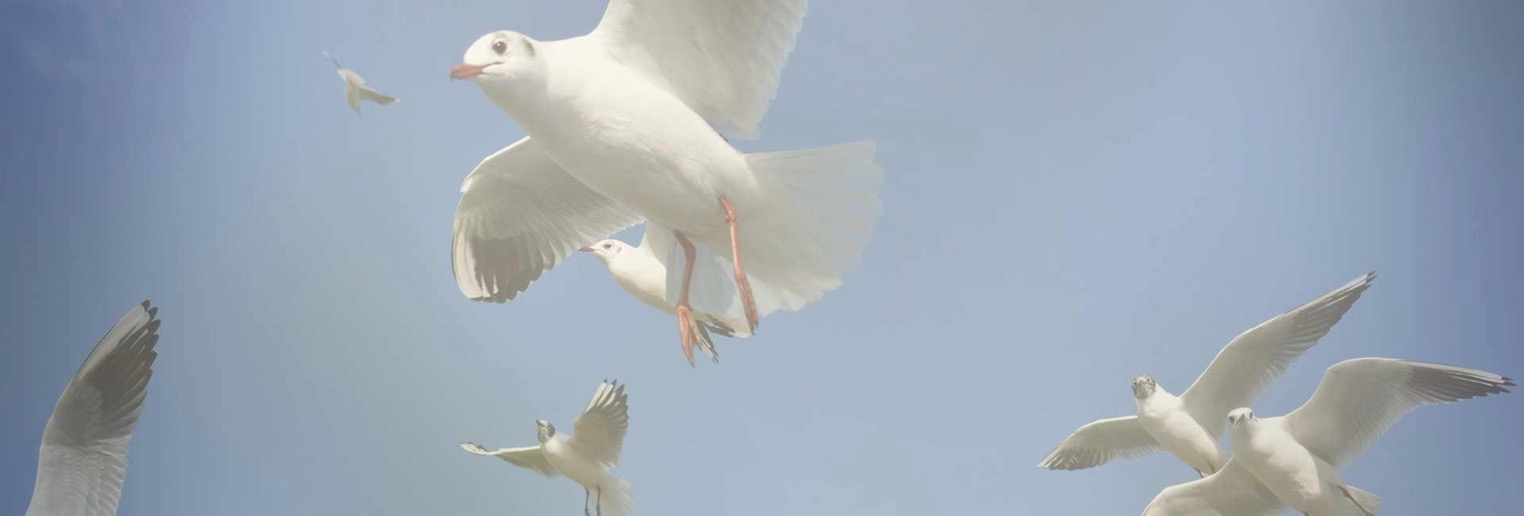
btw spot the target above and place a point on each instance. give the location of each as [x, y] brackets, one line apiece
[1100, 442]
[1244, 368]
[721, 58]
[520, 214]
[1359, 399]
[84, 447]
[530, 457]
[366, 93]
[598, 434]
[1229, 492]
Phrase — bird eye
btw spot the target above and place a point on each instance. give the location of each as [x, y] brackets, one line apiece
[500, 47]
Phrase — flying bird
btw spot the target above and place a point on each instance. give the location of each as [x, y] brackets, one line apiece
[627, 124]
[1190, 425]
[586, 456]
[355, 89]
[642, 271]
[83, 461]
[1296, 460]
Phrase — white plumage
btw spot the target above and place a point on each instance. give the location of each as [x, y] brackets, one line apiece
[83, 460]
[1189, 426]
[585, 456]
[1296, 460]
[355, 89]
[630, 117]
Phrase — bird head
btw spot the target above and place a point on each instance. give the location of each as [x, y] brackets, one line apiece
[1143, 387]
[501, 59]
[606, 249]
[546, 429]
[1241, 416]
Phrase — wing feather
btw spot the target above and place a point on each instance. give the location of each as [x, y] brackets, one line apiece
[721, 58]
[1360, 399]
[598, 434]
[520, 215]
[1233, 491]
[529, 457]
[83, 460]
[1248, 364]
[1100, 442]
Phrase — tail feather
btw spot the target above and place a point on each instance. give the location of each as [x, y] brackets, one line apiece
[806, 228]
[1371, 503]
[616, 500]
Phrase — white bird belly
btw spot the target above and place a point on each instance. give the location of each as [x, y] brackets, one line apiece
[1292, 472]
[640, 145]
[1183, 437]
[582, 471]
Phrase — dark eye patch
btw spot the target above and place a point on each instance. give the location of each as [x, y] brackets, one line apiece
[500, 47]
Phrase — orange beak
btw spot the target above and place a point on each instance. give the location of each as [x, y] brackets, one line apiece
[465, 71]
[586, 249]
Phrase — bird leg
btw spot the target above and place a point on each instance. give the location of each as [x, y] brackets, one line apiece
[747, 299]
[687, 328]
[599, 505]
[1352, 499]
[586, 495]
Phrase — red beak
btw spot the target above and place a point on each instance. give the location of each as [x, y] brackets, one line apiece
[586, 249]
[465, 71]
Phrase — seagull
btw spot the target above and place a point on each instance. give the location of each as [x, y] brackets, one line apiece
[84, 447]
[586, 456]
[1295, 460]
[643, 273]
[1189, 426]
[628, 124]
[355, 89]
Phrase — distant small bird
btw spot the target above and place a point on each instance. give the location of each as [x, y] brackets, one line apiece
[586, 456]
[355, 89]
[84, 447]
[1295, 460]
[1190, 425]
[642, 271]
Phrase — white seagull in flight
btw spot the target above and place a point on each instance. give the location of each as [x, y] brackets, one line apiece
[1190, 425]
[587, 455]
[1295, 460]
[84, 447]
[625, 125]
[643, 273]
[355, 89]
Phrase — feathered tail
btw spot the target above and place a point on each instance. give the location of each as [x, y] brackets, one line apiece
[806, 228]
[616, 499]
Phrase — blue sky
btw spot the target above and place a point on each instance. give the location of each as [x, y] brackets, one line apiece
[1076, 193]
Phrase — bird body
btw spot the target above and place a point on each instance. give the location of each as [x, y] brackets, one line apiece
[355, 89]
[1295, 475]
[1189, 426]
[622, 136]
[584, 456]
[1296, 460]
[625, 125]
[1165, 419]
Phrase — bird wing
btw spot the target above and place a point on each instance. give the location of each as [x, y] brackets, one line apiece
[366, 93]
[1244, 368]
[83, 460]
[721, 58]
[598, 434]
[530, 457]
[1359, 399]
[1232, 491]
[1100, 442]
[520, 214]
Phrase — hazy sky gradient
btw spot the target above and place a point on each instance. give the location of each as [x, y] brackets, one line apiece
[1076, 193]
